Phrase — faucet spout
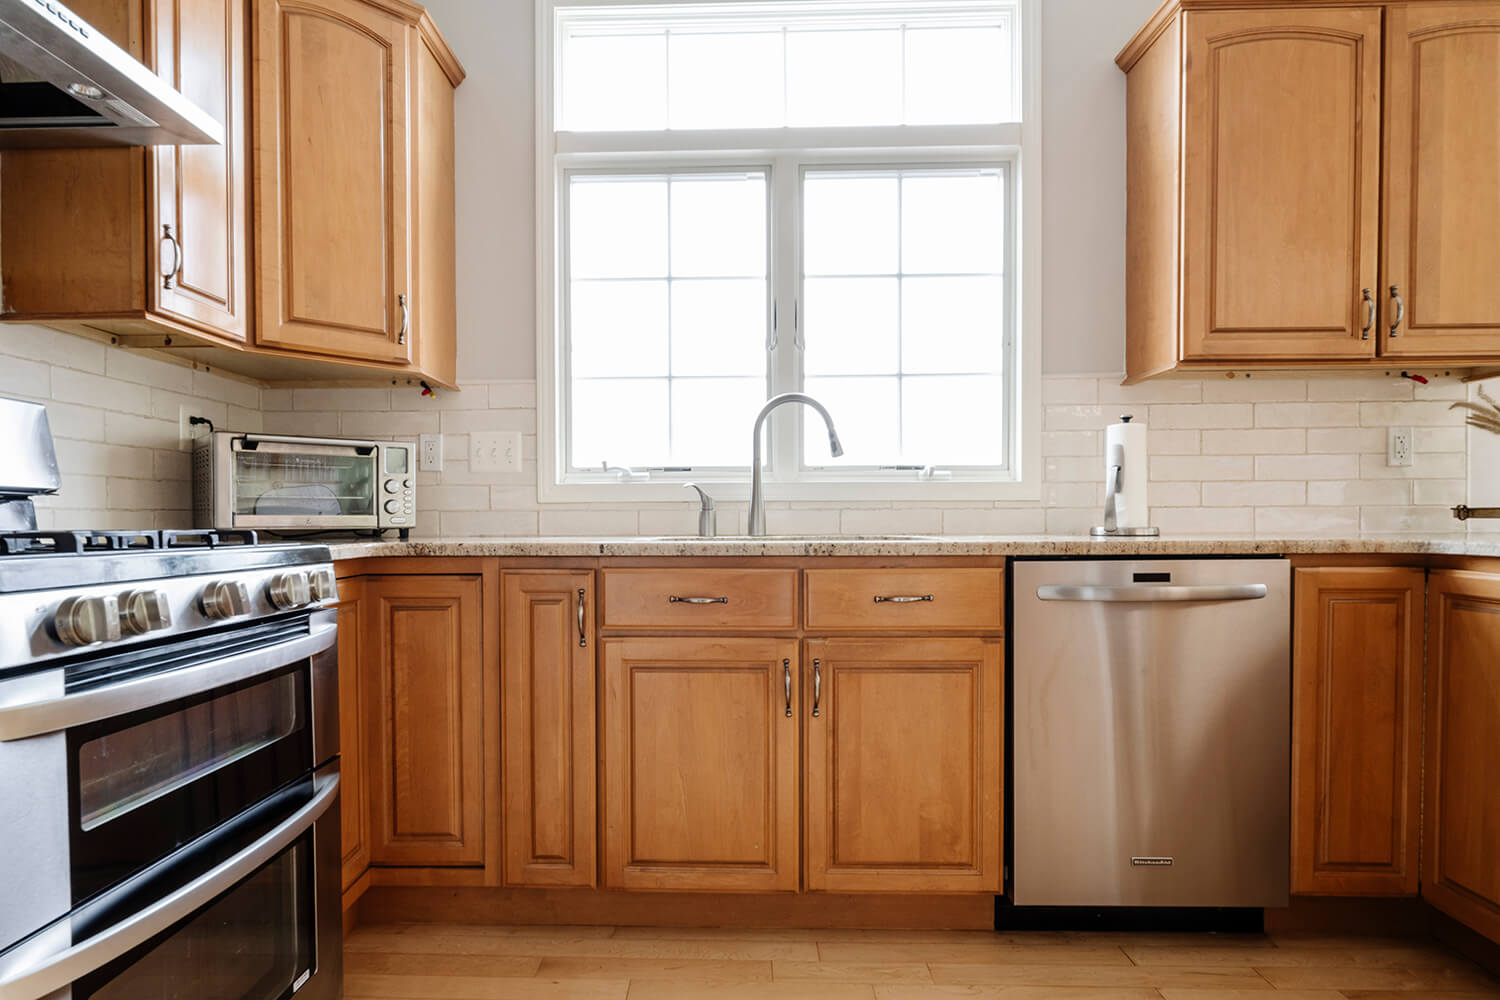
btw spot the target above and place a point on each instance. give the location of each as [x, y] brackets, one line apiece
[757, 496]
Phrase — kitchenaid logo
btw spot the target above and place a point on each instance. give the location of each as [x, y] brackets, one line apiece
[1151, 862]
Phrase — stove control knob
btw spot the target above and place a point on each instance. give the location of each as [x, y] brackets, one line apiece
[143, 611]
[83, 621]
[289, 590]
[322, 585]
[225, 599]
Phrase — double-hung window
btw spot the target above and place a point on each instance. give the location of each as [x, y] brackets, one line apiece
[739, 198]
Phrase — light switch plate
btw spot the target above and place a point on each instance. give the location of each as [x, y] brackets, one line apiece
[430, 447]
[495, 451]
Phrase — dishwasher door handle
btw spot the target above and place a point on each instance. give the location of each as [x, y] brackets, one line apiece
[1152, 594]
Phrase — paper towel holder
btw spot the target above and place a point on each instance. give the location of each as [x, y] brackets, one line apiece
[1110, 529]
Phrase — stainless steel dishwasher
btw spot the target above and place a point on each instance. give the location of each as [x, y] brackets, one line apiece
[1152, 732]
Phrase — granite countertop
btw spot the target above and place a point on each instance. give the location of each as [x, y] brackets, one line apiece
[919, 545]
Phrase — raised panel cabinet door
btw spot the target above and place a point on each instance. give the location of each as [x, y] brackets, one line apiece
[905, 777]
[200, 238]
[425, 729]
[699, 768]
[547, 698]
[332, 166]
[1461, 846]
[353, 801]
[1281, 176]
[1357, 731]
[1440, 298]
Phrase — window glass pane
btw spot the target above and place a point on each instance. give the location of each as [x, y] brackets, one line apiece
[719, 327]
[957, 75]
[852, 326]
[614, 82]
[711, 420]
[953, 421]
[953, 224]
[866, 412]
[622, 421]
[719, 226]
[617, 227]
[618, 328]
[843, 77]
[851, 224]
[952, 325]
[726, 80]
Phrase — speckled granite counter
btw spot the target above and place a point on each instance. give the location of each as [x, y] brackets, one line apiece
[919, 545]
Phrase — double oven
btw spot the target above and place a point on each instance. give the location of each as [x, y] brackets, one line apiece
[169, 776]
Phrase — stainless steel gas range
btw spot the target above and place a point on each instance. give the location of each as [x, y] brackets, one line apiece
[168, 767]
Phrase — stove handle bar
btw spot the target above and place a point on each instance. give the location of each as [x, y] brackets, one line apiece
[25, 719]
[47, 973]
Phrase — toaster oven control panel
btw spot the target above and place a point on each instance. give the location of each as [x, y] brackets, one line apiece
[400, 507]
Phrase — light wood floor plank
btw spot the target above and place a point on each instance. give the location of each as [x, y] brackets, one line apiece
[647, 989]
[1287, 955]
[850, 972]
[439, 941]
[402, 964]
[478, 988]
[1015, 993]
[976, 953]
[650, 968]
[1419, 994]
[1358, 978]
[1153, 977]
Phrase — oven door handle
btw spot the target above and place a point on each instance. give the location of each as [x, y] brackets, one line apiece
[48, 973]
[49, 715]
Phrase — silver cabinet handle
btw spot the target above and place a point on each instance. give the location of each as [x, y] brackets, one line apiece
[1152, 595]
[49, 715]
[45, 974]
[405, 319]
[1364, 334]
[1400, 310]
[786, 670]
[583, 636]
[674, 599]
[170, 274]
[817, 686]
[903, 600]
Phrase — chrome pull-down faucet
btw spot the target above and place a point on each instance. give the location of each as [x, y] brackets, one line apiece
[757, 497]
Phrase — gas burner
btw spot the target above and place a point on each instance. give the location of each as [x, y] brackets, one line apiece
[34, 543]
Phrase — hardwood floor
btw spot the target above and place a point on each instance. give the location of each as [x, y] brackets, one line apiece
[471, 962]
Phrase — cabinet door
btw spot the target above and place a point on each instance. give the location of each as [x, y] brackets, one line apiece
[1460, 856]
[424, 732]
[355, 816]
[905, 782]
[700, 764]
[1357, 731]
[1442, 181]
[331, 177]
[1281, 172]
[199, 238]
[547, 693]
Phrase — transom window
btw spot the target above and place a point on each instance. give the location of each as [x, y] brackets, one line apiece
[754, 198]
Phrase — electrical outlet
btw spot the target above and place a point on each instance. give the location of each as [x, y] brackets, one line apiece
[495, 451]
[1398, 449]
[430, 447]
[185, 431]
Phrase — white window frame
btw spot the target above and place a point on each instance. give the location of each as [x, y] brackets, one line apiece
[1017, 146]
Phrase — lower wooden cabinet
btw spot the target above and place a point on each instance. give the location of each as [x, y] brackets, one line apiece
[423, 685]
[1357, 731]
[547, 694]
[905, 781]
[353, 793]
[1461, 849]
[699, 765]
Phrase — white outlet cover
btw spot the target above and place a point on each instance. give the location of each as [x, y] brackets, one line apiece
[1399, 444]
[430, 452]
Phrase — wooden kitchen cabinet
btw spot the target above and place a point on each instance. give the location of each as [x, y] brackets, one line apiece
[547, 693]
[699, 765]
[1357, 730]
[423, 685]
[353, 790]
[149, 241]
[905, 778]
[1460, 860]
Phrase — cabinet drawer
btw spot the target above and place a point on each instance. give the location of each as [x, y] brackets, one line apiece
[687, 599]
[844, 600]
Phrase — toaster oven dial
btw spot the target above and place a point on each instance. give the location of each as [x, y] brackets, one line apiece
[391, 486]
[392, 506]
[83, 621]
[289, 590]
[225, 599]
[143, 611]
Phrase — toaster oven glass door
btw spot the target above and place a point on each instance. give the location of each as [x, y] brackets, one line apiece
[321, 483]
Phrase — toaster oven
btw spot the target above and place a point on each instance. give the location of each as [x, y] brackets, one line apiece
[276, 482]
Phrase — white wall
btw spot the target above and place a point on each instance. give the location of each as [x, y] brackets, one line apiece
[1083, 213]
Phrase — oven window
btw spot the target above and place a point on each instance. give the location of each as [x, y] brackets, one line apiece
[303, 484]
[124, 770]
[255, 942]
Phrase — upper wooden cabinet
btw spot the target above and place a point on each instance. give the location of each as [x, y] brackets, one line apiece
[1257, 178]
[141, 241]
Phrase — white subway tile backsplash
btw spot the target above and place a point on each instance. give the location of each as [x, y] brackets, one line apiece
[1071, 443]
[1407, 520]
[1076, 418]
[1202, 415]
[1443, 465]
[1111, 393]
[1446, 492]
[1346, 440]
[69, 386]
[1261, 441]
[1327, 522]
[995, 521]
[1345, 389]
[1253, 390]
[1426, 414]
[1307, 467]
[1181, 468]
[1066, 391]
[1254, 494]
[1170, 442]
[25, 378]
[1306, 414]
[1204, 520]
[142, 369]
[1359, 493]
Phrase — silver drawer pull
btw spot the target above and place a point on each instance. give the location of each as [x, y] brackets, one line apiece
[903, 600]
[674, 599]
[1152, 595]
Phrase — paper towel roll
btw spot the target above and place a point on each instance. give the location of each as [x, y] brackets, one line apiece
[1125, 442]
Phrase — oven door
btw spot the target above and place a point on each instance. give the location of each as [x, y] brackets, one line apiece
[286, 483]
[250, 912]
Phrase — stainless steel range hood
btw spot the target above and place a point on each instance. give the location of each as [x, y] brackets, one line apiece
[62, 83]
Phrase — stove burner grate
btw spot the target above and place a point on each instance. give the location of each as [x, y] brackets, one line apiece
[86, 542]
